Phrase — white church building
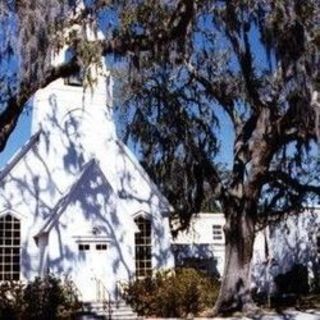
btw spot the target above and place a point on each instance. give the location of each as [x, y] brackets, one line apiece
[75, 202]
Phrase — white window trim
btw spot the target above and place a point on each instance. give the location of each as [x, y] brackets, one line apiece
[92, 239]
[16, 216]
[14, 213]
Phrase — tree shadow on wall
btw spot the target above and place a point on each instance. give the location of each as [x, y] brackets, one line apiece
[39, 187]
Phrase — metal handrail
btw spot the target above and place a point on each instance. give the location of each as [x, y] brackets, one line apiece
[121, 285]
[103, 295]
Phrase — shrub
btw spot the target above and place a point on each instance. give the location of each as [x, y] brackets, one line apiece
[11, 300]
[172, 293]
[48, 298]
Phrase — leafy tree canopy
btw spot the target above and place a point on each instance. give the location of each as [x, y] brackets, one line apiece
[258, 63]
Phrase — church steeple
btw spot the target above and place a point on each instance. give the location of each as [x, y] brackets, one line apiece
[53, 103]
[75, 122]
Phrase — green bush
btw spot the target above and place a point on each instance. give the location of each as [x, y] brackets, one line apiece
[172, 293]
[48, 298]
[11, 300]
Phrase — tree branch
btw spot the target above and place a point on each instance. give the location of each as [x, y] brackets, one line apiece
[292, 183]
[244, 55]
[218, 93]
[9, 117]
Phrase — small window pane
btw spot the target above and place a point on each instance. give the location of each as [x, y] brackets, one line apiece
[101, 246]
[15, 276]
[84, 247]
[217, 232]
[15, 268]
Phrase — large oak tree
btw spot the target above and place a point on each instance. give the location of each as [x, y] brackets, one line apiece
[254, 62]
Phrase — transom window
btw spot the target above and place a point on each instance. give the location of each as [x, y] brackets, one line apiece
[9, 248]
[101, 246]
[143, 248]
[95, 246]
[83, 246]
[217, 232]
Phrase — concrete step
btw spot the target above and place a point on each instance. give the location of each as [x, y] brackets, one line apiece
[89, 316]
[103, 316]
[120, 312]
[124, 317]
[110, 311]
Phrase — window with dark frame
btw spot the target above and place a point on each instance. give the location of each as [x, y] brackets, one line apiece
[143, 248]
[101, 246]
[10, 237]
[83, 247]
[217, 232]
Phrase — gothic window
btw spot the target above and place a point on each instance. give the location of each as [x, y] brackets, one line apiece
[9, 248]
[143, 247]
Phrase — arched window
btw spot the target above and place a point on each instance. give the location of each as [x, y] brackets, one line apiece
[143, 248]
[9, 248]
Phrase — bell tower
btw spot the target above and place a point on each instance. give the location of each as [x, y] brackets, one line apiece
[75, 122]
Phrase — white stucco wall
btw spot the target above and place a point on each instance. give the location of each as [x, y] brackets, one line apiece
[200, 240]
[292, 241]
[20, 194]
[201, 229]
[93, 205]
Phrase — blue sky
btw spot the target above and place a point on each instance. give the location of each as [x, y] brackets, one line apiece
[20, 135]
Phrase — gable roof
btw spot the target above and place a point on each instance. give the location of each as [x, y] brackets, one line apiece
[124, 149]
[64, 201]
[19, 155]
[154, 188]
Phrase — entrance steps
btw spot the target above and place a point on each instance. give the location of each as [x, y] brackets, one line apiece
[107, 311]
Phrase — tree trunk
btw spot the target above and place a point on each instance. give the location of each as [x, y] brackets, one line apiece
[235, 292]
